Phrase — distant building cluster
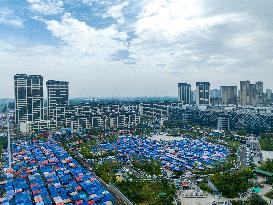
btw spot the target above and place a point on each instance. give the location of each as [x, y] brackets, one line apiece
[32, 115]
[248, 95]
[251, 94]
[220, 117]
[95, 115]
[86, 116]
[253, 120]
[224, 108]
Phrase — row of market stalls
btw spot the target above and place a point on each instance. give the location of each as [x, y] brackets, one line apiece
[44, 173]
[177, 155]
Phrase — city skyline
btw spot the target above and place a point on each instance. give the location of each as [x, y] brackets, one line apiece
[193, 88]
[144, 48]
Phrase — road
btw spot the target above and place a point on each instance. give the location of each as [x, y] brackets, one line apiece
[243, 156]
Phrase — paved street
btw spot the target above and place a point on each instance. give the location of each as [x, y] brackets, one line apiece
[243, 156]
[202, 201]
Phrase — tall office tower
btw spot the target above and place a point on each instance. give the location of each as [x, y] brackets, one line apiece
[29, 98]
[20, 87]
[259, 98]
[229, 95]
[35, 98]
[245, 93]
[203, 93]
[269, 94]
[57, 100]
[253, 96]
[184, 93]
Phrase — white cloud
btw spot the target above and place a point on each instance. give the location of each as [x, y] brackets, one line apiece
[167, 41]
[166, 33]
[86, 39]
[255, 40]
[8, 17]
[116, 11]
[46, 7]
[173, 18]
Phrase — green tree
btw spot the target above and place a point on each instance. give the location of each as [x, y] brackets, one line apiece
[242, 132]
[255, 199]
[151, 167]
[266, 142]
[267, 165]
[230, 184]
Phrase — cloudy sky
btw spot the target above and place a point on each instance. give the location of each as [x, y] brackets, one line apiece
[136, 47]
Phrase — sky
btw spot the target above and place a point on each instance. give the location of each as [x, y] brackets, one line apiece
[137, 47]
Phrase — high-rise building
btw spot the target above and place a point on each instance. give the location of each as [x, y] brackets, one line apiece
[269, 94]
[184, 93]
[245, 93]
[203, 93]
[229, 95]
[259, 98]
[20, 87]
[35, 98]
[57, 100]
[251, 94]
[29, 98]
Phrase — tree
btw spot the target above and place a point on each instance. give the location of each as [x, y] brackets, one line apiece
[241, 132]
[267, 165]
[255, 199]
[266, 142]
[151, 167]
[230, 184]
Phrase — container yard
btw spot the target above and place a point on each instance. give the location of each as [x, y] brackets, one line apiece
[44, 173]
[176, 155]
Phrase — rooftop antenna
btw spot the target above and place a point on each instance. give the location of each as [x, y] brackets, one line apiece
[8, 135]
